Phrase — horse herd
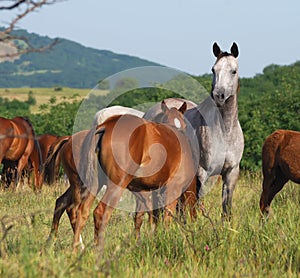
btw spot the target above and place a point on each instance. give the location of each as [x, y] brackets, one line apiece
[164, 157]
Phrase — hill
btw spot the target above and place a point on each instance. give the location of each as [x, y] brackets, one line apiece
[68, 64]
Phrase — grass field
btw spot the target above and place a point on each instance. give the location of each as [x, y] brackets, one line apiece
[205, 248]
[43, 95]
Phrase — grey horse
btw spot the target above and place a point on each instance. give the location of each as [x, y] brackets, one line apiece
[216, 125]
[217, 134]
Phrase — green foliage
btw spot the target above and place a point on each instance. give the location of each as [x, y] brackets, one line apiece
[59, 119]
[31, 100]
[267, 102]
[10, 109]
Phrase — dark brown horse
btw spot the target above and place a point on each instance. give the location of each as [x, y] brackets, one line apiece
[280, 163]
[17, 143]
[72, 155]
[138, 155]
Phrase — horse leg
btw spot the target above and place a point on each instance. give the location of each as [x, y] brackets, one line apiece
[189, 199]
[23, 161]
[72, 214]
[38, 179]
[83, 212]
[61, 204]
[143, 204]
[229, 182]
[103, 211]
[269, 178]
[270, 190]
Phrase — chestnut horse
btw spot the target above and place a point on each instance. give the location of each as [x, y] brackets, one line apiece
[45, 141]
[70, 149]
[141, 156]
[280, 163]
[17, 143]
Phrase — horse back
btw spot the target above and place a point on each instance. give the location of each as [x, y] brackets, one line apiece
[17, 137]
[148, 152]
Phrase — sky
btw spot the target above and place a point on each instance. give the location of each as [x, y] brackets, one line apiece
[176, 33]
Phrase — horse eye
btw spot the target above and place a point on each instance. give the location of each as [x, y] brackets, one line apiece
[234, 72]
[213, 71]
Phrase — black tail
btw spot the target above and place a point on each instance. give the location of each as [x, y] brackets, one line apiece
[39, 152]
[51, 160]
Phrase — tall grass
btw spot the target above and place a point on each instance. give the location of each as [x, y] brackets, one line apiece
[205, 248]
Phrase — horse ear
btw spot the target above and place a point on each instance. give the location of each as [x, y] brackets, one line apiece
[183, 108]
[216, 49]
[164, 106]
[234, 50]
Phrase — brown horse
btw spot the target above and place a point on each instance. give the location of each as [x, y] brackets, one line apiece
[148, 202]
[280, 163]
[69, 148]
[17, 142]
[138, 155]
[45, 141]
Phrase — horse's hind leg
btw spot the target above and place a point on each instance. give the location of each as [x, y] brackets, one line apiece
[270, 189]
[61, 204]
[72, 214]
[81, 218]
[103, 211]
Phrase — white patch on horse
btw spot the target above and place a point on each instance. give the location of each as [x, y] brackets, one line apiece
[177, 123]
[81, 242]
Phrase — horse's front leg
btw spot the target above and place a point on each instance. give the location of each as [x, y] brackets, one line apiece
[230, 179]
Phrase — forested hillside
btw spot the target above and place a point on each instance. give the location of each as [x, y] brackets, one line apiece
[68, 64]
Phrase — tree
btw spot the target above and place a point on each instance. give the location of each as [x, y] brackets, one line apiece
[11, 45]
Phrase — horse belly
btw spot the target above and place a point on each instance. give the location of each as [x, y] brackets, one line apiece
[145, 184]
[289, 162]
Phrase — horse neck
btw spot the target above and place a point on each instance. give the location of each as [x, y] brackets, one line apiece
[229, 113]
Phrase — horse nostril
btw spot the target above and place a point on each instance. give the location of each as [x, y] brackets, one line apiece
[222, 96]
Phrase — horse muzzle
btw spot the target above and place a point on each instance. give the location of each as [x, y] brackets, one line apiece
[219, 97]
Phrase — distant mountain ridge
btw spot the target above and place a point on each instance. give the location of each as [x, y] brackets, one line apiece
[68, 64]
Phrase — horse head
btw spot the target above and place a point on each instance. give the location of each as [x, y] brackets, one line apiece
[225, 74]
[173, 116]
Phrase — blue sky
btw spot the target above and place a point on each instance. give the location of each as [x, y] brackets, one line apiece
[177, 33]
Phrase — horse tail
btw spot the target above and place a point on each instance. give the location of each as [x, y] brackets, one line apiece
[51, 160]
[31, 129]
[39, 152]
[89, 168]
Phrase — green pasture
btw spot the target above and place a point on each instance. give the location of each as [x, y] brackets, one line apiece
[44, 95]
[205, 248]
